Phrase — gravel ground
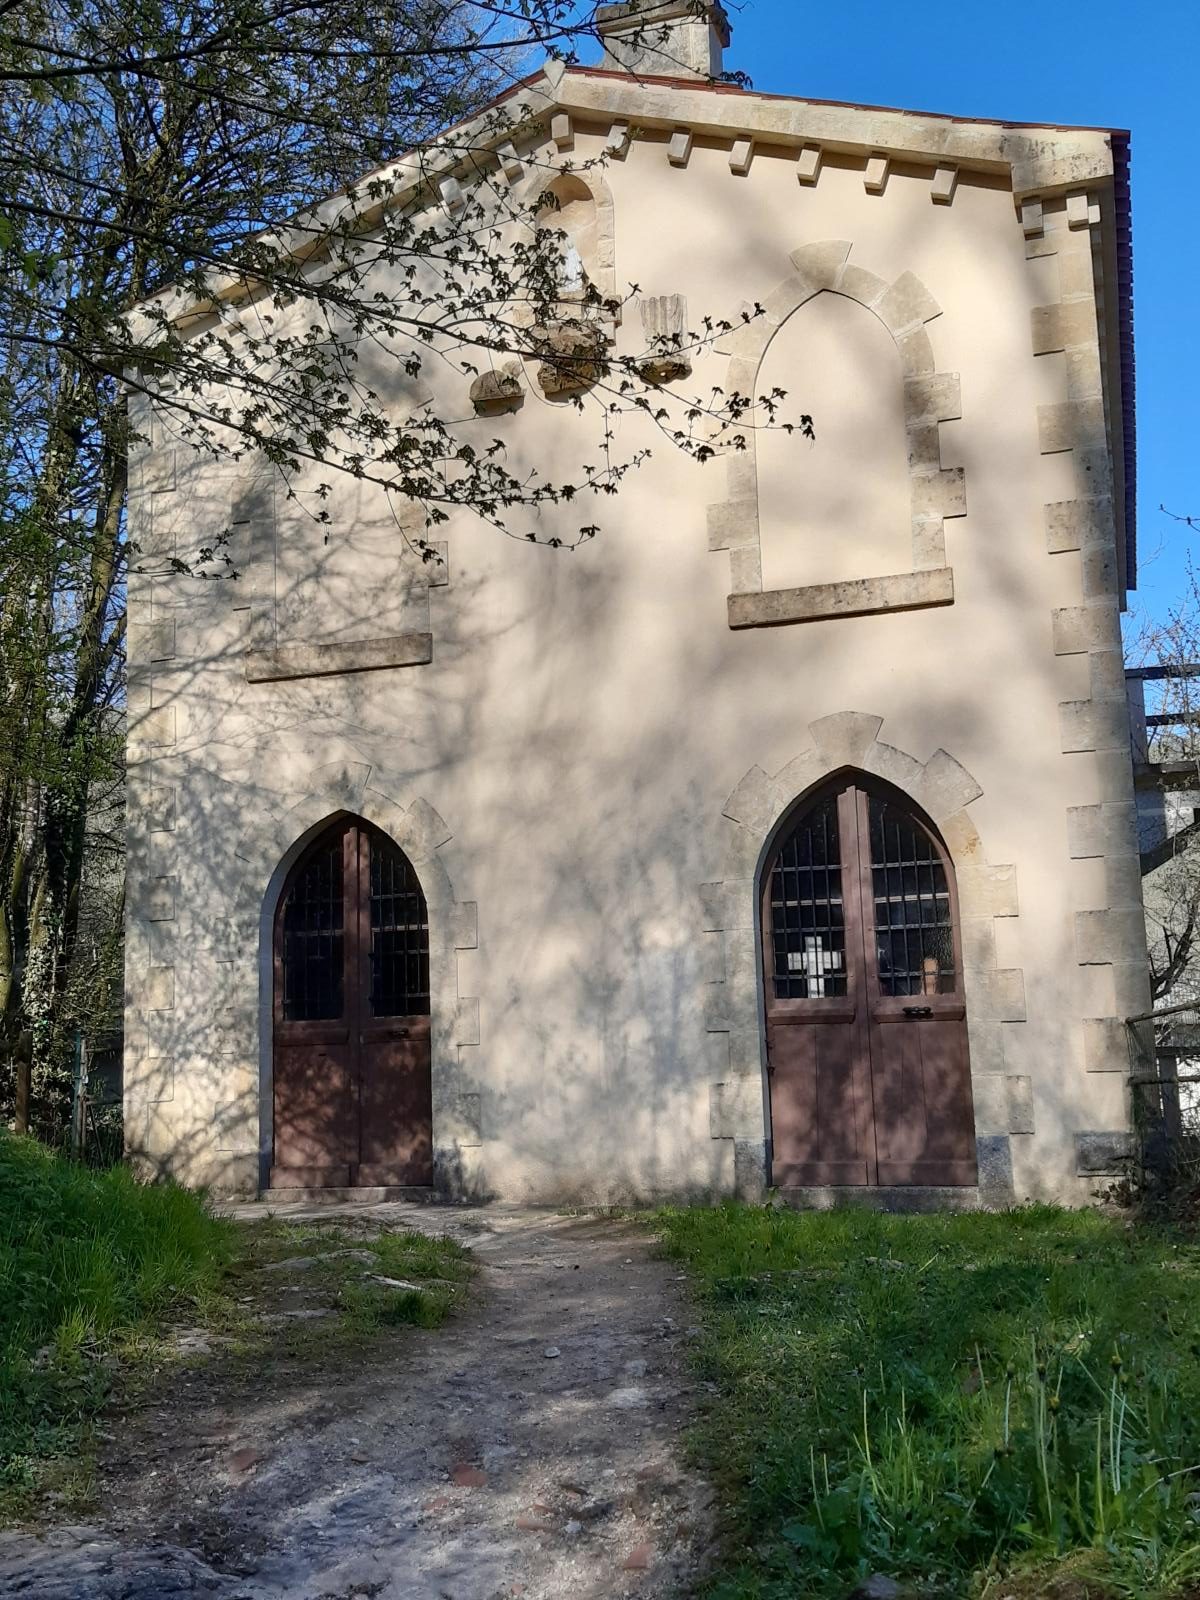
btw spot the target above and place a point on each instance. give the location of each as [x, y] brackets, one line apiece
[530, 1447]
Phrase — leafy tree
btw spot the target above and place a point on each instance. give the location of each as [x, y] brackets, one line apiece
[189, 143]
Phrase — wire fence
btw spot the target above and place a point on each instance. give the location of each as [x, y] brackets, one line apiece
[1164, 1059]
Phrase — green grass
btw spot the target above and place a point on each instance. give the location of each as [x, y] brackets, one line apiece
[87, 1259]
[433, 1272]
[949, 1401]
[96, 1269]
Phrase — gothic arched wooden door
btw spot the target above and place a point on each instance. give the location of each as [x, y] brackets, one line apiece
[866, 1020]
[351, 1050]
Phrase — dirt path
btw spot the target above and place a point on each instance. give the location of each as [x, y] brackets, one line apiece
[470, 1463]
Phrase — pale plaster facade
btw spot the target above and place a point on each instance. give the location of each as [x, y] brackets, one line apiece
[585, 755]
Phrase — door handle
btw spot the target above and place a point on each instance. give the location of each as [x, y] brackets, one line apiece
[918, 1011]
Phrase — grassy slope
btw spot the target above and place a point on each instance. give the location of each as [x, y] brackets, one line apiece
[945, 1398]
[85, 1259]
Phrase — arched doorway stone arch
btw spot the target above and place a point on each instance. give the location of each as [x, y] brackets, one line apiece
[943, 789]
[267, 853]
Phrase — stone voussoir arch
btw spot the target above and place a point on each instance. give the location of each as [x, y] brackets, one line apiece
[264, 856]
[995, 996]
[904, 306]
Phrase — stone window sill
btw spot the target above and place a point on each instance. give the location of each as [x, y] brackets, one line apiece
[336, 660]
[857, 597]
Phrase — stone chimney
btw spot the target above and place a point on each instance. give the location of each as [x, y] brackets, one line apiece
[665, 38]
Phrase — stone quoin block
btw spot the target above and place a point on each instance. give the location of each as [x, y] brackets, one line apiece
[1104, 1155]
[940, 494]
[152, 641]
[158, 903]
[999, 995]
[1106, 1045]
[1099, 572]
[1070, 425]
[745, 569]
[1020, 1105]
[1078, 524]
[464, 931]
[989, 1091]
[1093, 725]
[156, 990]
[736, 1108]
[1084, 379]
[978, 938]
[985, 891]
[993, 1154]
[460, 1121]
[156, 727]
[1115, 934]
[1131, 987]
[158, 809]
[1059, 326]
[916, 353]
[1077, 629]
[732, 523]
[1123, 879]
[1101, 830]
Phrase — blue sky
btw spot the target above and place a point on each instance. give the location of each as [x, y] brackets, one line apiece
[1097, 63]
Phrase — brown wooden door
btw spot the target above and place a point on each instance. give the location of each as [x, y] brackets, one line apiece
[866, 1025]
[352, 1043]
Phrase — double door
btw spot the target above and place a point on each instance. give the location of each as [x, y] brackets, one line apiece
[352, 1046]
[866, 1021]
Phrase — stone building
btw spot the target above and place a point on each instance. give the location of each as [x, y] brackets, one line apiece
[784, 835]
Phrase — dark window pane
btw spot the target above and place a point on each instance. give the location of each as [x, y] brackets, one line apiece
[808, 937]
[399, 935]
[313, 939]
[914, 941]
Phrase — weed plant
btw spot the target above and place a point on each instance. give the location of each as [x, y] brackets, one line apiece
[86, 1259]
[948, 1401]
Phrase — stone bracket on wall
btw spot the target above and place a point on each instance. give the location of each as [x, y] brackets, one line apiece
[930, 398]
[995, 996]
